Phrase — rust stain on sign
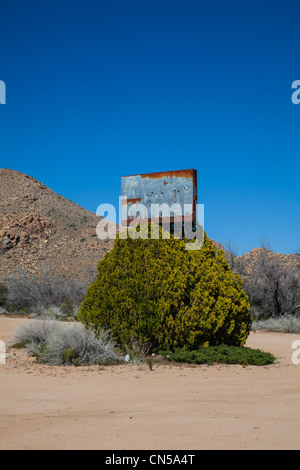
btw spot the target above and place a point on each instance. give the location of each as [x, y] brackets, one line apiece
[177, 189]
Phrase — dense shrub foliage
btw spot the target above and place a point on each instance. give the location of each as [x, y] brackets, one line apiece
[156, 291]
[222, 354]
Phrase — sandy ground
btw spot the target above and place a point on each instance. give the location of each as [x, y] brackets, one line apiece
[175, 407]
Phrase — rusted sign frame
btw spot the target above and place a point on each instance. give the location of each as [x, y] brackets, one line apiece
[149, 189]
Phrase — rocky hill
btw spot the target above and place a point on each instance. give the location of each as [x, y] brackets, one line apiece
[246, 263]
[40, 230]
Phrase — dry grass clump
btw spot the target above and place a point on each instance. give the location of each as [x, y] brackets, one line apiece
[283, 324]
[55, 343]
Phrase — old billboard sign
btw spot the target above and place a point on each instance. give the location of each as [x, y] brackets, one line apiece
[164, 197]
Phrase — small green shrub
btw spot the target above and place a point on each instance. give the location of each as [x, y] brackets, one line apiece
[70, 356]
[20, 345]
[3, 294]
[67, 308]
[222, 354]
[38, 351]
[156, 291]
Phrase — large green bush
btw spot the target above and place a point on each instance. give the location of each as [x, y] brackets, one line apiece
[158, 292]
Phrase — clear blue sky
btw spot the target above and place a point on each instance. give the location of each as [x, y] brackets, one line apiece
[101, 89]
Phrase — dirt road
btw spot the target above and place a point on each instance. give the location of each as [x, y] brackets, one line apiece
[171, 407]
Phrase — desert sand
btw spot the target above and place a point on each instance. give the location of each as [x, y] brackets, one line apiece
[175, 407]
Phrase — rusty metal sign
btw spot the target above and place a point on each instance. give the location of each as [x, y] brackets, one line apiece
[164, 197]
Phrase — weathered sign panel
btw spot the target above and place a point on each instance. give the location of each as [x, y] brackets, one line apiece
[162, 197]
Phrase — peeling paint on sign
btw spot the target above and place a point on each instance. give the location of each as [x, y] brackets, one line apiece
[176, 189]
